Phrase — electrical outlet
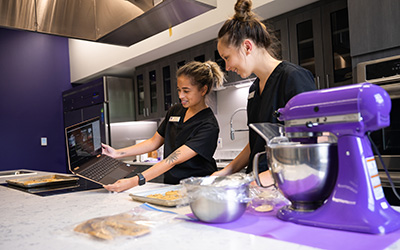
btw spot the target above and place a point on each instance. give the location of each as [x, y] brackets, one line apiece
[43, 141]
[219, 145]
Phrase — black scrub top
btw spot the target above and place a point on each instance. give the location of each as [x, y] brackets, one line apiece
[286, 81]
[200, 133]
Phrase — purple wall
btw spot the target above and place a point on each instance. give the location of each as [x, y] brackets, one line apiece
[34, 71]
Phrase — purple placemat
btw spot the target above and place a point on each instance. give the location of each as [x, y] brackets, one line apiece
[268, 225]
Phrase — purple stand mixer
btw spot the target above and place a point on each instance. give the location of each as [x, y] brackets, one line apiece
[355, 200]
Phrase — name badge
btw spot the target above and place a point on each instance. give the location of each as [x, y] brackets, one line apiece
[251, 95]
[174, 118]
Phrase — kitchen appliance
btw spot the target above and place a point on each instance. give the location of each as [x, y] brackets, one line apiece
[385, 72]
[110, 98]
[355, 201]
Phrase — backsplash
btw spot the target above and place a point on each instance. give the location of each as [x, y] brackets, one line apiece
[229, 100]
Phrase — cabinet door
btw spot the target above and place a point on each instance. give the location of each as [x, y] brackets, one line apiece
[280, 30]
[306, 43]
[154, 82]
[169, 93]
[335, 24]
[203, 52]
[140, 90]
[148, 92]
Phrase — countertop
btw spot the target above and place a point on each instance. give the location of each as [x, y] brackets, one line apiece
[34, 222]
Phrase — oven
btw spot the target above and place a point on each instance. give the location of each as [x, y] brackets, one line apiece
[385, 72]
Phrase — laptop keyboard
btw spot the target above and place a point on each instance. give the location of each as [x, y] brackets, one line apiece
[101, 168]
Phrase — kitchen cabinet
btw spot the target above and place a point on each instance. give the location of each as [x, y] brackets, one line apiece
[279, 29]
[317, 38]
[148, 91]
[374, 25]
[169, 96]
[374, 30]
[336, 37]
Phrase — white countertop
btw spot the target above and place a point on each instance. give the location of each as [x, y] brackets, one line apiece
[33, 222]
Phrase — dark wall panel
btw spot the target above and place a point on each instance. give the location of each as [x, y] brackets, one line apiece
[34, 71]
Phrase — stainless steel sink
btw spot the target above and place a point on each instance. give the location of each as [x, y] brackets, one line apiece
[13, 173]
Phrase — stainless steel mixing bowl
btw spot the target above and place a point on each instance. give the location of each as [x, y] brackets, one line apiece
[216, 203]
[304, 173]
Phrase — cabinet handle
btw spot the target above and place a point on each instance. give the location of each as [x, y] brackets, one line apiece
[148, 114]
[327, 80]
[317, 80]
[144, 112]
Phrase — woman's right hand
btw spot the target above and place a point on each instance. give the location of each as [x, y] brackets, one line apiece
[108, 150]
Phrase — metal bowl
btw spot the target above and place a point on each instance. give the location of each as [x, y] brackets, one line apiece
[304, 173]
[216, 203]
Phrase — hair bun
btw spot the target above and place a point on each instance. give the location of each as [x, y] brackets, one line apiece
[243, 10]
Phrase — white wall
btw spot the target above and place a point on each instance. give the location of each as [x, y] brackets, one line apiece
[229, 100]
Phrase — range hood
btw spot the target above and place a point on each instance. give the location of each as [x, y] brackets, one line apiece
[118, 22]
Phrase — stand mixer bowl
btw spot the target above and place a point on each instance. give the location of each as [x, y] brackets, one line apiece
[304, 173]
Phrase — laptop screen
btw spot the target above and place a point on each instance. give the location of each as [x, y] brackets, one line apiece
[83, 141]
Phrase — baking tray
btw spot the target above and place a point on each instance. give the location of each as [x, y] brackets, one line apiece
[142, 196]
[45, 180]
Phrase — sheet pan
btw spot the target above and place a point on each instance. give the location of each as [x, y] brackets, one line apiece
[142, 196]
[45, 180]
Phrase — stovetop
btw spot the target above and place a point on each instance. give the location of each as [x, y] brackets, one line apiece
[78, 186]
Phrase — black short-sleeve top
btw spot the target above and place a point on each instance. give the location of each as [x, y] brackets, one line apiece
[200, 133]
[286, 81]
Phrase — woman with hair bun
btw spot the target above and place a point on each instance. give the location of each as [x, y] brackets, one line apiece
[189, 132]
[246, 46]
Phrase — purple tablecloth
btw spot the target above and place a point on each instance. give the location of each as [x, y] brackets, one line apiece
[268, 225]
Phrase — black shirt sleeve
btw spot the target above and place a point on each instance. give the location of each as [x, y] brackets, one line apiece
[203, 141]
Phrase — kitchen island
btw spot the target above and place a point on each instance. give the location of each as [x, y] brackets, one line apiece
[30, 221]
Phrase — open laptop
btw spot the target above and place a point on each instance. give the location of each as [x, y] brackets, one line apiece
[85, 158]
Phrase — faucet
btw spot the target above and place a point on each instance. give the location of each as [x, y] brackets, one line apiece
[231, 124]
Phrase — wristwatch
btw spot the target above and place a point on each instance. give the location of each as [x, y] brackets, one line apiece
[142, 180]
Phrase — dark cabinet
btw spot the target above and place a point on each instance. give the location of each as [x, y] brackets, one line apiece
[168, 88]
[148, 91]
[374, 26]
[317, 38]
[336, 37]
[306, 43]
[280, 38]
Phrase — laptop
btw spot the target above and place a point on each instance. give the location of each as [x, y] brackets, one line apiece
[85, 158]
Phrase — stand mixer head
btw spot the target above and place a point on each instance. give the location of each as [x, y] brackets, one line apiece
[345, 177]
